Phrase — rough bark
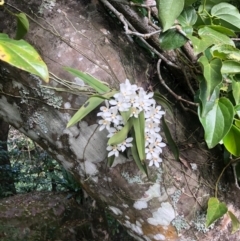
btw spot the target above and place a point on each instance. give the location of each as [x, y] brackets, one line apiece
[6, 176]
[48, 216]
[165, 206]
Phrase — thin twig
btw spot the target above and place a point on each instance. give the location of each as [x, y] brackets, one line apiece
[128, 25]
[168, 89]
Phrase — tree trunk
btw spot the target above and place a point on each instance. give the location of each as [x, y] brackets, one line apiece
[169, 204]
[6, 176]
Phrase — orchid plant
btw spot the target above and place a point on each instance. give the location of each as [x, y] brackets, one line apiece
[131, 117]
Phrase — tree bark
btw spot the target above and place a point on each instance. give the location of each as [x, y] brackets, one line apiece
[168, 204]
[7, 187]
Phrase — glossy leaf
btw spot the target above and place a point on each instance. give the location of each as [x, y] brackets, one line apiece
[235, 222]
[228, 13]
[230, 67]
[86, 108]
[22, 55]
[121, 135]
[231, 141]
[171, 39]
[139, 132]
[226, 52]
[189, 2]
[207, 100]
[223, 30]
[188, 17]
[217, 122]
[161, 100]
[236, 91]
[172, 144]
[96, 84]
[215, 210]
[212, 74]
[237, 123]
[217, 37]
[168, 11]
[22, 25]
[141, 165]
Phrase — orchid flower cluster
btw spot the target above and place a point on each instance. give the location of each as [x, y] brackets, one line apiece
[134, 99]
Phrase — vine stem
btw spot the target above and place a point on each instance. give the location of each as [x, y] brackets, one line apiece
[220, 176]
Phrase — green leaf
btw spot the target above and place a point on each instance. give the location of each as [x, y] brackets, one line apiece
[168, 11]
[126, 115]
[172, 144]
[217, 122]
[237, 110]
[235, 222]
[22, 55]
[189, 2]
[171, 39]
[237, 123]
[22, 25]
[96, 84]
[207, 99]
[236, 91]
[110, 160]
[215, 36]
[86, 108]
[121, 135]
[188, 17]
[230, 67]
[223, 30]
[161, 100]
[228, 13]
[139, 130]
[141, 165]
[226, 52]
[231, 141]
[215, 210]
[212, 74]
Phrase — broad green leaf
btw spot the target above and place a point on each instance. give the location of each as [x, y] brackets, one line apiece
[235, 222]
[236, 91]
[121, 135]
[188, 17]
[212, 74]
[86, 108]
[172, 144]
[230, 67]
[215, 210]
[96, 84]
[232, 141]
[22, 25]
[237, 110]
[223, 30]
[226, 52]
[139, 130]
[228, 13]
[171, 39]
[22, 55]
[217, 122]
[200, 45]
[141, 165]
[168, 11]
[217, 37]
[237, 123]
[161, 100]
[207, 99]
[208, 37]
[189, 2]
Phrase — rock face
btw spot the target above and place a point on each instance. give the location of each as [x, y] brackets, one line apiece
[166, 205]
